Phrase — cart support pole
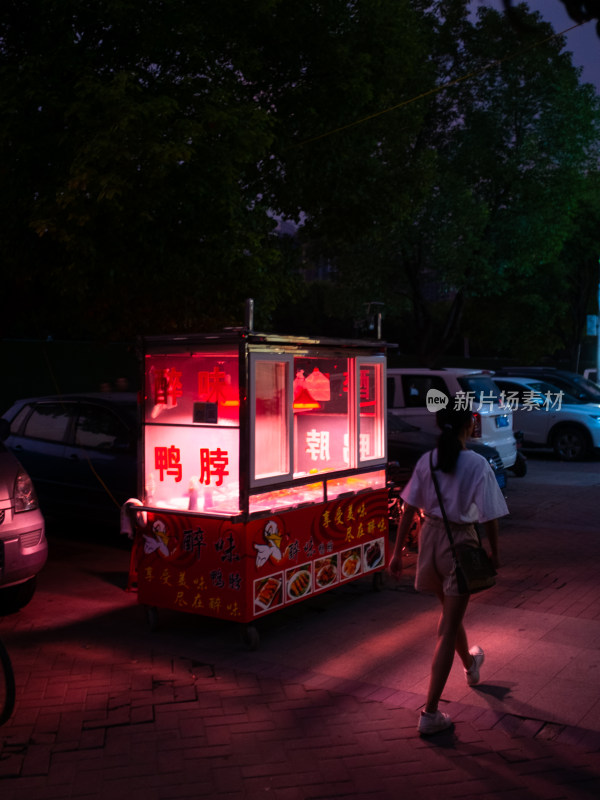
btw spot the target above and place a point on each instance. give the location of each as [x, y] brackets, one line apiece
[250, 314]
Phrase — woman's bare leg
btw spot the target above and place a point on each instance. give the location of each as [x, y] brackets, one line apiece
[451, 637]
[462, 642]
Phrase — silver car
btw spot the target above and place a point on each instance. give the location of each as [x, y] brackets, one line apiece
[549, 417]
[23, 544]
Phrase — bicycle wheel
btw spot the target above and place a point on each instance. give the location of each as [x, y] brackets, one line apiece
[7, 685]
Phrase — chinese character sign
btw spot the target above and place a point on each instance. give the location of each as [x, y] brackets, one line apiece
[189, 566]
[189, 468]
[166, 385]
[176, 384]
[321, 443]
[167, 462]
[308, 550]
[213, 465]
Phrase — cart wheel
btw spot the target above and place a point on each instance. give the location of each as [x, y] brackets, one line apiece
[378, 582]
[152, 617]
[250, 637]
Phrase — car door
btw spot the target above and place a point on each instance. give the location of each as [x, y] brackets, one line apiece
[410, 399]
[102, 458]
[38, 439]
[528, 417]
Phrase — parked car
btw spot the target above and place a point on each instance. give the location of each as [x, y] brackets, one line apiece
[407, 396]
[23, 545]
[548, 417]
[407, 443]
[578, 386]
[80, 450]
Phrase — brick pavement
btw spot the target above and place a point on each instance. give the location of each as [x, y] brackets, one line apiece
[178, 728]
[327, 707]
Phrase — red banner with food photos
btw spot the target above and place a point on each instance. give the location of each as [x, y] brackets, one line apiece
[239, 571]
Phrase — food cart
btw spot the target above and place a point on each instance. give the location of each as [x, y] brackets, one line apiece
[262, 472]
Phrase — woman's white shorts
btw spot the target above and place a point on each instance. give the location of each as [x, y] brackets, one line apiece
[435, 564]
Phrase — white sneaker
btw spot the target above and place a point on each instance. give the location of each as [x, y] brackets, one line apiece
[472, 674]
[433, 722]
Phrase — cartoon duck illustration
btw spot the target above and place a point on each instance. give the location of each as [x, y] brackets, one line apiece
[272, 548]
[159, 539]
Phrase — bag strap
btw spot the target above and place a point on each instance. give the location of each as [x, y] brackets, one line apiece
[442, 509]
[440, 501]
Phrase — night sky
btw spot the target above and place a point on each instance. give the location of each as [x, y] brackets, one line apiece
[583, 41]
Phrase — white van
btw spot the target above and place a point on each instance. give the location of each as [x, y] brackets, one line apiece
[408, 390]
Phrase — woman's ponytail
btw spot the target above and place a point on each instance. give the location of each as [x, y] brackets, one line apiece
[451, 422]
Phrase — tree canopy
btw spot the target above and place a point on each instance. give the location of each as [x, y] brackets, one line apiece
[432, 161]
[486, 195]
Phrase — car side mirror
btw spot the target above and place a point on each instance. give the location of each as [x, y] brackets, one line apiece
[4, 429]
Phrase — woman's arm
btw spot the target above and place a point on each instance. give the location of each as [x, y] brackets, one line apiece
[406, 520]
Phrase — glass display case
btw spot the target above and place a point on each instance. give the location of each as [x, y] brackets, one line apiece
[262, 477]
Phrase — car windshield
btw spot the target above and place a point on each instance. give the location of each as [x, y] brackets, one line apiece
[588, 388]
[480, 387]
[552, 393]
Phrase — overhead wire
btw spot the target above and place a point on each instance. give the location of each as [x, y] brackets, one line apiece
[436, 89]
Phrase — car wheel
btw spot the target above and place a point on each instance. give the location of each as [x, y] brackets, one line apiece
[570, 443]
[14, 598]
[250, 637]
[519, 468]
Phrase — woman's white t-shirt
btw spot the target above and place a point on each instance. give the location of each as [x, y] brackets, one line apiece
[470, 494]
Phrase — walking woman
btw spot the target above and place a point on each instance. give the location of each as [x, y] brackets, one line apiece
[470, 494]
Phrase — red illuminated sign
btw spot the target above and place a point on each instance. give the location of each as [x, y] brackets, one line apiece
[213, 462]
[216, 388]
[365, 385]
[167, 386]
[167, 459]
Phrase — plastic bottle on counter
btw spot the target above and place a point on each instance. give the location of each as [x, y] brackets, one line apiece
[193, 494]
[150, 489]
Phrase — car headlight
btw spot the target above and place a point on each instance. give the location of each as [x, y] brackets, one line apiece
[25, 496]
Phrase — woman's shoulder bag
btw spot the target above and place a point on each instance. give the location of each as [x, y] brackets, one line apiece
[473, 567]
